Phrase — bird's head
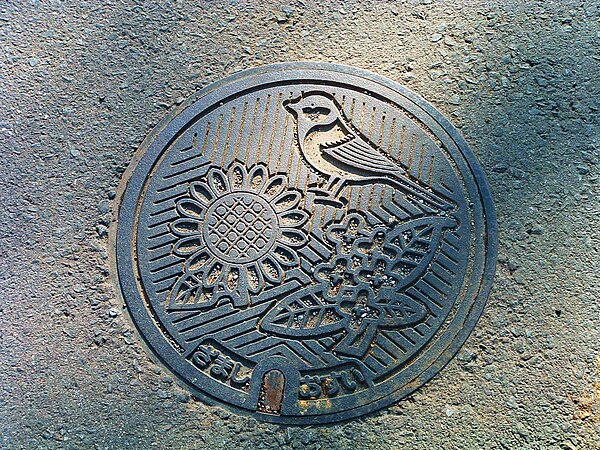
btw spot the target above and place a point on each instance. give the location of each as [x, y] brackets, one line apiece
[312, 111]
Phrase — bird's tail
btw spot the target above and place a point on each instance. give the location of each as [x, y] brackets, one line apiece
[421, 192]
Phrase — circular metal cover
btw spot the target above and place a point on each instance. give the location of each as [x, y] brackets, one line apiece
[305, 242]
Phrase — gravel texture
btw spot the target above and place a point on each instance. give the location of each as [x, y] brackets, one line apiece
[82, 83]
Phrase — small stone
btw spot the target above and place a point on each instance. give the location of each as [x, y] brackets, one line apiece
[223, 414]
[519, 276]
[33, 61]
[394, 11]
[449, 41]
[513, 265]
[512, 403]
[436, 37]
[520, 428]
[112, 194]
[288, 11]
[251, 424]
[113, 312]
[467, 356]
[582, 170]
[436, 73]
[104, 207]
[517, 173]
[102, 230]
[516, 332]
[183, 397]
[163, 395]
[75, 153]
[455, 100]
[537, 229]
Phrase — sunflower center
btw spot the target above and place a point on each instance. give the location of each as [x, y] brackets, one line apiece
[240, 227]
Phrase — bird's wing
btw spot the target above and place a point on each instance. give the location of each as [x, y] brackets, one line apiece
[354, 152]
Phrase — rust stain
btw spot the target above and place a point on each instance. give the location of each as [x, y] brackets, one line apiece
[320, 405]
[272, 390]
[588, 403]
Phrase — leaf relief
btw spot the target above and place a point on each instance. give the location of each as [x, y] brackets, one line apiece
[306, 315]
[417, 242]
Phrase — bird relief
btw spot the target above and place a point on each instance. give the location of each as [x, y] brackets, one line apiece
[338, 151]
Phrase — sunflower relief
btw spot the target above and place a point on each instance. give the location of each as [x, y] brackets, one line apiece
[238, 231]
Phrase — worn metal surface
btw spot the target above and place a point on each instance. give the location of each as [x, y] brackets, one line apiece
[305, 242]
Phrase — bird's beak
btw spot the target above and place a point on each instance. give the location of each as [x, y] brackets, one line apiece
[290, 107]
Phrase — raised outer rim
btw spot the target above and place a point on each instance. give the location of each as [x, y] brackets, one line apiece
[128, 198]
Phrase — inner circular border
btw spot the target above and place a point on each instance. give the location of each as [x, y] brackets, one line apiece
[130, 196]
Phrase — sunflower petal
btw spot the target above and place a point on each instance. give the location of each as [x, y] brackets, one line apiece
[257, 178]
[271, 270]
[254, 279]
[214, 274]
[199, 260]
[238, 177]
[187, 246]
[293, 218]
[217, 181]
[285, 256]
[274, 186]
[286, 201]
[232, 279]
[202, 193]
[185, 227]
[293, 237]
[190, 208]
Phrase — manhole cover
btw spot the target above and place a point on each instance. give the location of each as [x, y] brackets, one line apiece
[305, 242]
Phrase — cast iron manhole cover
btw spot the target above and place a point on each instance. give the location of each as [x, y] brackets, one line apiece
[305, 242]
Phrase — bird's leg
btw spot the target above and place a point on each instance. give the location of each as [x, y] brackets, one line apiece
[332, 183]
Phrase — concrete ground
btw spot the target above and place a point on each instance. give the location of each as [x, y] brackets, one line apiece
[82, 83]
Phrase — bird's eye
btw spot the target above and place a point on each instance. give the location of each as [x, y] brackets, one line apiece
[316, 114]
